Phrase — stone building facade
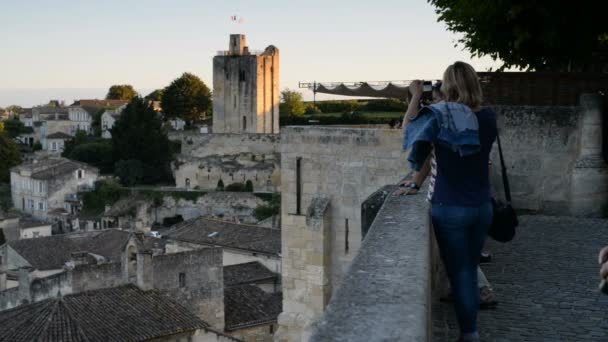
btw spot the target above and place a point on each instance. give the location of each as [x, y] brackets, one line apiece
[43, 187]
[207, 158]
[246, 89]
[327, 173]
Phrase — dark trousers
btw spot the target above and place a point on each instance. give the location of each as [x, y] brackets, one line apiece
[460, 234]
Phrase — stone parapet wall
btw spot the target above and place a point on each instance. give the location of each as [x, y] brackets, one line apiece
[540, 145]
[386, 293]
[334, 170]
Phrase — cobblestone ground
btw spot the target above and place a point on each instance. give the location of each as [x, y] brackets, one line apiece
[546, 285]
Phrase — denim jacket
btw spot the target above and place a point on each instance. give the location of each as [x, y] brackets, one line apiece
[451, 124]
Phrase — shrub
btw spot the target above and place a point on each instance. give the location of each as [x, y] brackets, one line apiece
[236, 187]
[249, 186]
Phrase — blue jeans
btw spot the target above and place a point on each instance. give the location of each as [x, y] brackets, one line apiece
[460, 234]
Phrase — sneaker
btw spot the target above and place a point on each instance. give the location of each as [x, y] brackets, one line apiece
[487, 298]
[485, 258]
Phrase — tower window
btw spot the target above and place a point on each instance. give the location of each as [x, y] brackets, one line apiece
[182, 279]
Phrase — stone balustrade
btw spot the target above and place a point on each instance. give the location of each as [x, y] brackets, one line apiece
[386, 293]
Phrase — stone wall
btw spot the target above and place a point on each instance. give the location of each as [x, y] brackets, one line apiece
[258, 333]
[540, 147]
[386, 293]
[96, 276]
[228, 205]
[195, 280]
[344, 166]
[554, 157]
[207, 158]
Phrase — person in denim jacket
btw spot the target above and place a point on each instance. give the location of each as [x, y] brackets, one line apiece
[461, 134]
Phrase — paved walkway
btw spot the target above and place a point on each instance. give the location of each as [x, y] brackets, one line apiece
[546, 284]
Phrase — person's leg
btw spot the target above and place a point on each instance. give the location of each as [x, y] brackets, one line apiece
[452, 226]
[477, 234]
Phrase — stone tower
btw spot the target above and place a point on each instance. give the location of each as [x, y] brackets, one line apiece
[246, 89]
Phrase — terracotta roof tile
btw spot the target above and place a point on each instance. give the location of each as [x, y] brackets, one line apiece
[226, 234]
[248, 305]
[124, 313]
[247, 273]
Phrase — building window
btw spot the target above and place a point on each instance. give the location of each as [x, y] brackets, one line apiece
[40, 187]
[244, 123]
[80, 174]
[36, 234]
[242, 77]
[271, 330]
[234, 101]
[182, 279]
[54, 146]
[40, 205]
[187, 182]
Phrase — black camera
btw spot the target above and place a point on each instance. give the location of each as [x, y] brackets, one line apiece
[427, 92]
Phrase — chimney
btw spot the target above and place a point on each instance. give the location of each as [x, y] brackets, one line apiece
[145, 275]
[25, 295]
[81, 258]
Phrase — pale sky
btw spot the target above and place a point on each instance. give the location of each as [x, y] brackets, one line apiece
[70, 49]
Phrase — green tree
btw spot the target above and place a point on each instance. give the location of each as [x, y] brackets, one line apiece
[267, 210]
[188, 98]
[95, 152]
[130, 172]
[236, 187]
[14, 109]
[248, 186]
[80, 137]
[156, 95]
[121, 92]
[531, 35]
[96, 122]
[15, 128]
[138, 135]
[9, 157]
[291, 103]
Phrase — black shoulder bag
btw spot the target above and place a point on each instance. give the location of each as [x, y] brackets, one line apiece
[505, 219]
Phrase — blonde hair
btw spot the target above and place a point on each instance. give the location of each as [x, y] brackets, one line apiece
[461, 84]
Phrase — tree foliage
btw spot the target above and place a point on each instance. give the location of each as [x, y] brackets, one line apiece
[530, 35]
[235, 187]
[130, 172]
[267, 210]
[292, 103]
[9, 157]
[138, 135]
[96, 152]
[156, 95]
[15, 128]
[188, 98]
[80, 137]
[121, 92]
